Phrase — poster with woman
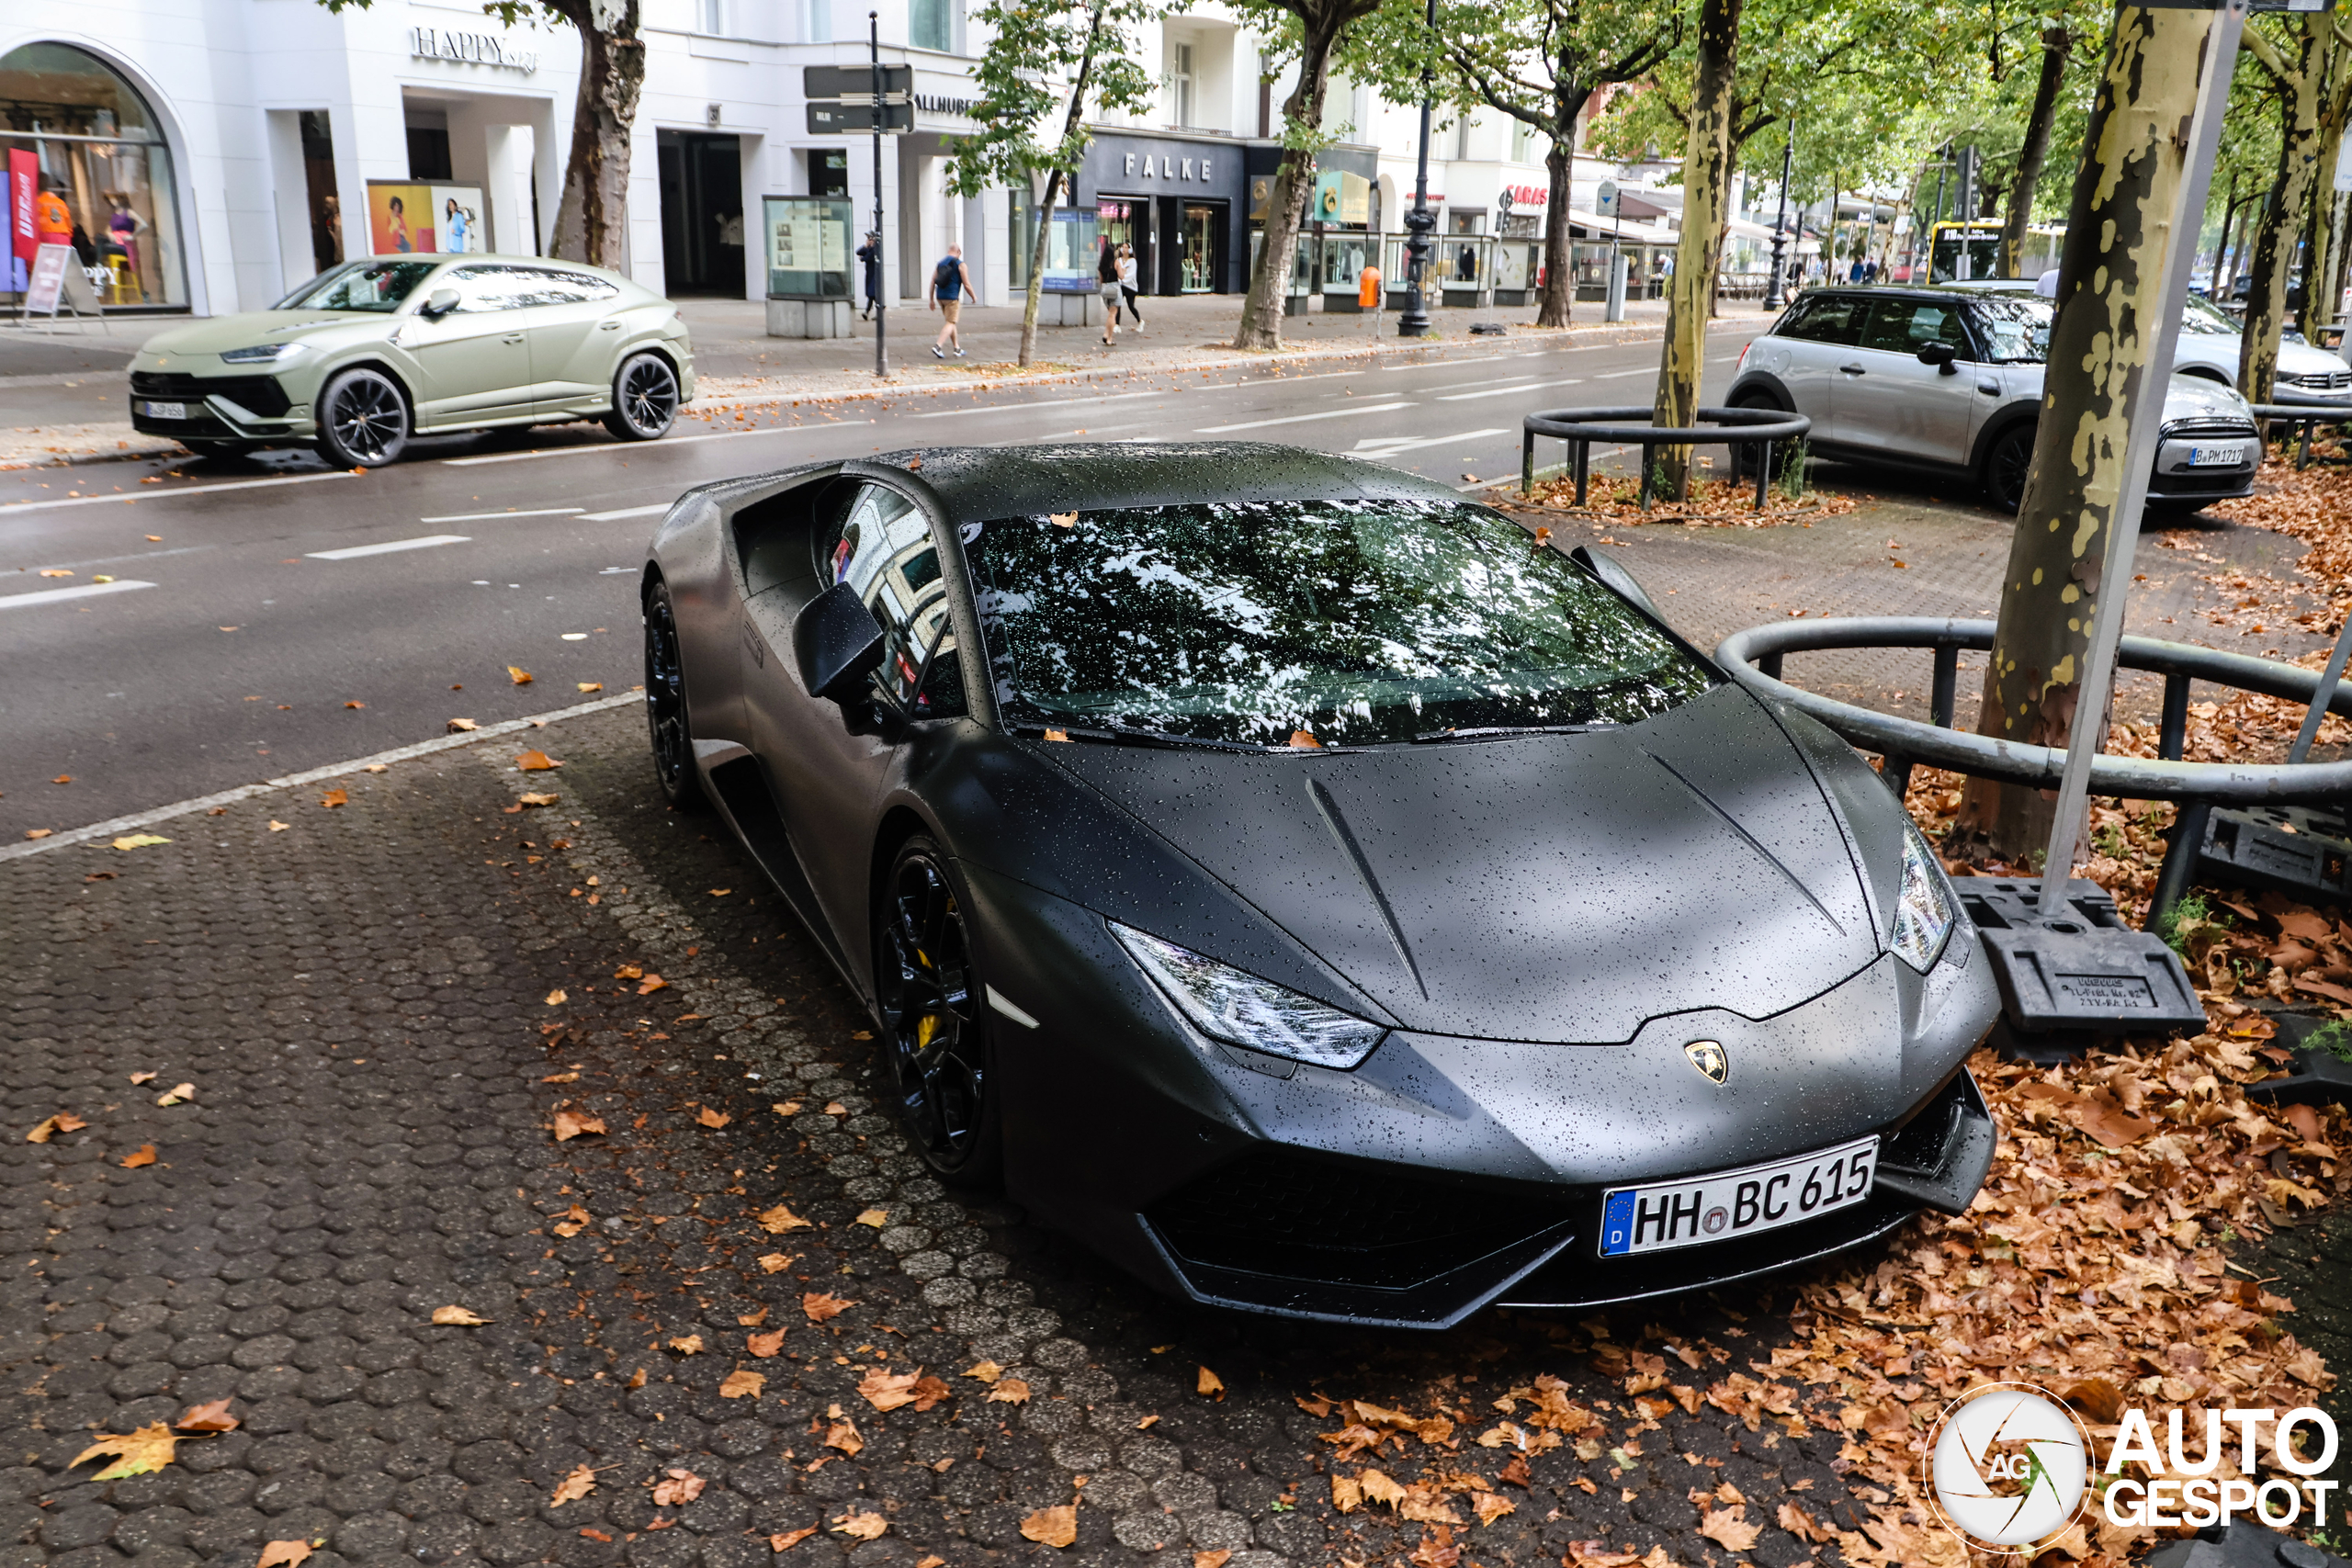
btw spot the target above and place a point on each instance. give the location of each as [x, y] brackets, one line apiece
[456, 216]
[405, 218]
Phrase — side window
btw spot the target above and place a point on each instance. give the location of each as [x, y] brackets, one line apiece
[488, 287]
[883, 547]
[1834, 319]
[552, 287]
[1906, 326]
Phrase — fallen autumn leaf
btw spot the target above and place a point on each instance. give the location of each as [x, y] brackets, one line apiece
[136, 1454]
[1052, 1527]
[457, 1316]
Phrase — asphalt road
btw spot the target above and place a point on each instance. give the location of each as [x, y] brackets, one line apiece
[270, 615]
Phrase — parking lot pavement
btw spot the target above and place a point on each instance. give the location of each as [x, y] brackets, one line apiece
[385, 1010]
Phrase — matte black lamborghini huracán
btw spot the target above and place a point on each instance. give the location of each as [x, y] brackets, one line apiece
[1287, 876]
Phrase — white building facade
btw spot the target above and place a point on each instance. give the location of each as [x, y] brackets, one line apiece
[211, 155]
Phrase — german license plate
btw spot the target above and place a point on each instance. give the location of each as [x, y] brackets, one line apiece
[164, 411]
[1735, 1203]
[2215, 457]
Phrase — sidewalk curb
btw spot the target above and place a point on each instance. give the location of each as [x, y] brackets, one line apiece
[59, 839]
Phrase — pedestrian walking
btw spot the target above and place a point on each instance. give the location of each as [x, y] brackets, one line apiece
[1127, 284]
[870, 254]
[1106, 281]
[951, 284]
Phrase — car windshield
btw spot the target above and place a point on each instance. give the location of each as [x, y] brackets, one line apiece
[378, 286]
[2205, 318]
[1358, 621]
[2016, 327]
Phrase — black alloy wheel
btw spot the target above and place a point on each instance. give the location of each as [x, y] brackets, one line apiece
[1743, 458]
[2006, 467]
[363, 420]
[665, 703]
[933, 1016]
[644, 398]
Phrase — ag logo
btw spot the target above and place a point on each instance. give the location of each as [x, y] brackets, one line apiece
[1707, 1055]
[2008, 1468]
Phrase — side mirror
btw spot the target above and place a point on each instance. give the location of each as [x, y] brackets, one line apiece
[1941, 355]
[1616, 579]
[438, 303]
[838, 644]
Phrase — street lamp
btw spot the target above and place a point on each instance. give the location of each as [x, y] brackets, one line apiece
[1415, 322]
[1774, 297]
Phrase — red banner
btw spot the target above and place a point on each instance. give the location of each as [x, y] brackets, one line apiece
[24, 180]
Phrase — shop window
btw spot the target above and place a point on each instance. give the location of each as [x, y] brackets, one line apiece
[930, 25]
[95, 146]
[428, 152]
[828, 172]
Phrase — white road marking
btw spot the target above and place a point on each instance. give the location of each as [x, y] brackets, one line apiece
[314, 775]
[353, 552]
[1617, 375]
[167, 491]
[1498, 391]
[1044, 403]
[1489, 382]
[627, 511]
[1302, 418]
[487, 516]
[641, 447]
[57, 595]
[1380, 448]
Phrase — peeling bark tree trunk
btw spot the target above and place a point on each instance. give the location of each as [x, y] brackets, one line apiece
[1037, 292]
[2110, 277]
[1262, 311]
[2055, 45]
[2302, 88]
[1558, 300]
[1692, 291]
[2221, 248]
[591, 222]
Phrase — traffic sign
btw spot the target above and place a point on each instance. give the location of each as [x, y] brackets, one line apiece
[1605, 202]
[854, 83]
[857, 119]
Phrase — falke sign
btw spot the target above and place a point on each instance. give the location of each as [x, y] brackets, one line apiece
[1164, 167]
[471, 48]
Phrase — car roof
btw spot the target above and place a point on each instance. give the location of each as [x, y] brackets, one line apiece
[1921, 290]
[979, 483]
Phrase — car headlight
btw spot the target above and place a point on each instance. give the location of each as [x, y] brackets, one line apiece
[1226, 1004]
[264, 354]
[1925, 910]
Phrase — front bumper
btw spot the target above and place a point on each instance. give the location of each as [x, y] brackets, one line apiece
[2178, 477]
[219, 408]
[1445, 1173]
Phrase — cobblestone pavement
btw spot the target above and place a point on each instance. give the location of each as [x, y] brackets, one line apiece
[366, 1002]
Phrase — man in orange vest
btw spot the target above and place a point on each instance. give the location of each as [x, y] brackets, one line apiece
[52, 219]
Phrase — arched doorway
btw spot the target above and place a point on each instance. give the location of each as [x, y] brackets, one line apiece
[85, 135]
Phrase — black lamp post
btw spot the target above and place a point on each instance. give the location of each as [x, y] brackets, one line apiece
[1415, 322]
[873, 48]
[1775, 296]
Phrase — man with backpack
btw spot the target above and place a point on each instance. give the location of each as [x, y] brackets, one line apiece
[950, 283]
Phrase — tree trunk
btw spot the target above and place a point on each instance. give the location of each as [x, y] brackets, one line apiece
[1261, 311]
[2301, 94]
[2055, 45]
[591, 222]
[1558, 301]
[1037, 268]
[2111, 277]
[2221, 246]
[1692, 287]
[2323, 262]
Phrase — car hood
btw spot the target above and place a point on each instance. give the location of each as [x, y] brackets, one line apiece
[2195, 397]
[2303, 359]
[210, 337]
[1559, 888]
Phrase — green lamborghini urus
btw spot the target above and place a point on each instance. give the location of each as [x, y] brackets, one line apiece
[361, 358]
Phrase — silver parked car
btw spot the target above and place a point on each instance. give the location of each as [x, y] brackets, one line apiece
[1950, 380]
[2209, 342]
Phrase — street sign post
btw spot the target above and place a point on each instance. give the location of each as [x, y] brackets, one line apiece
[841, 99]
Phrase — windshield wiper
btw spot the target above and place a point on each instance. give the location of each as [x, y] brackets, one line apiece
[1505, 731]
[1155, 737]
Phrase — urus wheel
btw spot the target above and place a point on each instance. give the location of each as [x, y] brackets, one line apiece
[363, 420]
[665, 703]
[2006, 467]
[935, 1018]
[644, 398]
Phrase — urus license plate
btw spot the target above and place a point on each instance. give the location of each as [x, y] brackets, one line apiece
[166, 410]
[1735, 1203]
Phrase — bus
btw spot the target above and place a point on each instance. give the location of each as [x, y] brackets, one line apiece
[1982, 242]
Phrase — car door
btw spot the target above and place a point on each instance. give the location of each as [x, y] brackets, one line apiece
[575, 331]
[1886, 400]
[474, 362]
[828, 762]
[1807, 350]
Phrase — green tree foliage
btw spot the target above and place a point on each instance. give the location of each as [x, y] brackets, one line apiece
[1034, 47]
[1538, 62]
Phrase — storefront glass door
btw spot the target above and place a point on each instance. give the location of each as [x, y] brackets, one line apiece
[1203, 248]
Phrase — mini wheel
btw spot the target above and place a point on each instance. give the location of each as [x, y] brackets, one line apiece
[363, 420]
[2006, 467]
[644, 398]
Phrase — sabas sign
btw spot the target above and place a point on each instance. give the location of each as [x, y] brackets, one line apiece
[471, 48]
